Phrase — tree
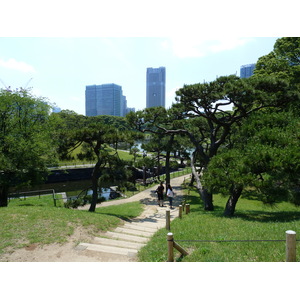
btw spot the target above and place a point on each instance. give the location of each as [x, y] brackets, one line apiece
[26, 144]
[260, 145]
[265, 160]
[155, 120]
[98, 139]
[283, 62]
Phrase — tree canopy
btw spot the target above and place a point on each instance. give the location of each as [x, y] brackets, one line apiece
[26, 144]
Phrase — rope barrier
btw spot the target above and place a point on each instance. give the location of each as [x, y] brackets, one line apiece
[235, 241]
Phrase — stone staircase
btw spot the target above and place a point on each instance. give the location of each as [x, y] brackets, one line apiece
[128, 239]
[124, 242]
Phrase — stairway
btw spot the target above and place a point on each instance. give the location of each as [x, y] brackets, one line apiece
[129, 238]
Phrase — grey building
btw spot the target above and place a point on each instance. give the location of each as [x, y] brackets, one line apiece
[156, 87]
[105, 99]
[247, 70]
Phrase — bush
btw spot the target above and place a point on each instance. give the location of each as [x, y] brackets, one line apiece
[74, 203]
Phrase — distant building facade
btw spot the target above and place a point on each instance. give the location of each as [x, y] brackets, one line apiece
[247, 70]
[105, 99]
[156, 87]
[129, 109]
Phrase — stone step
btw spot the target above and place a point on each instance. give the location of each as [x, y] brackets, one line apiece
[118, 243]
[140, 227]
[109, 249]
[156, 225]
[133, 232]
[126, 237]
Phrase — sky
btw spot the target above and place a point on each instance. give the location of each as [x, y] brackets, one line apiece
[60, 68]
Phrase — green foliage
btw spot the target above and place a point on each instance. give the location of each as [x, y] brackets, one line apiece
[265, 157]
[26, 144]
[283, 62]
[74, 203]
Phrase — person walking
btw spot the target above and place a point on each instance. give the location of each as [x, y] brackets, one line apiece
[170, 195]
[160, 194]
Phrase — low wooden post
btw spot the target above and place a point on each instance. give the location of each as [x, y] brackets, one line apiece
[187, 211]
[168, 227]
[290, 246]
[180, 211]
[170, 247]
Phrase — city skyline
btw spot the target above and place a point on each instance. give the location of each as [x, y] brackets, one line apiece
[60, 68]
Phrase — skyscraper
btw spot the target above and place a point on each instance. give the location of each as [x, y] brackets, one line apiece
[105, 99]
[156, 87]
[247, 70]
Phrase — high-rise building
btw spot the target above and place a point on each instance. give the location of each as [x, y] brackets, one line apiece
[156, 87]
[247, 70]
[105, 99]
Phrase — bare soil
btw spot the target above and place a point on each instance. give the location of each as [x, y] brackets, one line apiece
[66, 252]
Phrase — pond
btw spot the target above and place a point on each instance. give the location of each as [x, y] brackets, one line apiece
[73, 189]
[106, 193]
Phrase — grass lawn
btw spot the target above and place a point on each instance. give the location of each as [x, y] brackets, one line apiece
[253, 221]
[124, 155]
[35, 220]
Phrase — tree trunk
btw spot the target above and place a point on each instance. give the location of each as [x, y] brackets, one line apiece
[168, 177]
[168, 155]
[144, 175]
[95, 176]
[207, 199]
[205, 195]
[192, 180]
[3, 196]
[236, 192]
[158, 165]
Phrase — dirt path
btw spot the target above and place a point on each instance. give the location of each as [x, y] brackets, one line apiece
[70, 252]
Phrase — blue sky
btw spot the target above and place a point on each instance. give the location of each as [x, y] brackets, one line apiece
[58, 47]
[60, 68]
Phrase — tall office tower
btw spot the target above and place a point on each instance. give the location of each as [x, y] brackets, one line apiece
[105, 99]
[247, 70]
[156, 87]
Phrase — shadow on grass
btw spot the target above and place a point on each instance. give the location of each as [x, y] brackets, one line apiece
[263, 216]
[198, 205]
[247, 215]
[122, 217]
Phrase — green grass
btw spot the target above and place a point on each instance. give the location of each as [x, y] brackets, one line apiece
[30, 221]
[43, 201]
[253, 221]
[124, 155]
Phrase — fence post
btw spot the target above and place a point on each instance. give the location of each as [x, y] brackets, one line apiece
[170, 247]
[180, 211]
[290, 246]
[187, 209]
[168, 219]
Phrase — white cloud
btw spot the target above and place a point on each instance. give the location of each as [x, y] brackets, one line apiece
[17, 65]
[183, 47]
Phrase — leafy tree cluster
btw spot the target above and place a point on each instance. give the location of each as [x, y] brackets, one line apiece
[97, 138]
[26, 145]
